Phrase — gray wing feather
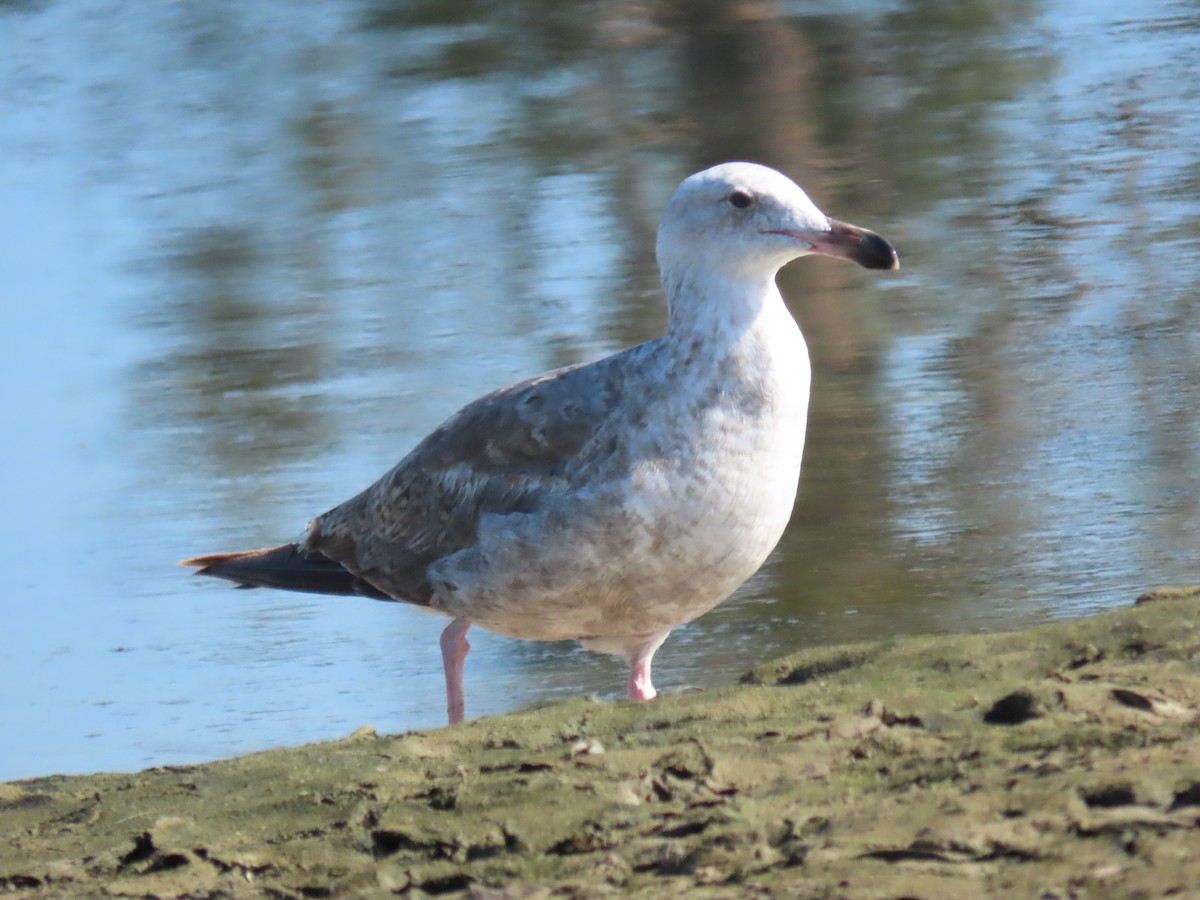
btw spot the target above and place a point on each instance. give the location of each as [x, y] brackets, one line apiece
[503, 453]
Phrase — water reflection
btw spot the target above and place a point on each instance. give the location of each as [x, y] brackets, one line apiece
[273, 247]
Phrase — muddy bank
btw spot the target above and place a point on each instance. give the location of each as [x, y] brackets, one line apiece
[1056, 762]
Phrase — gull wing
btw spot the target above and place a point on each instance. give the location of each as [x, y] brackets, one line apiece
[503, 453]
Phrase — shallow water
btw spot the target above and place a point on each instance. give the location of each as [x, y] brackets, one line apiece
[250, 253]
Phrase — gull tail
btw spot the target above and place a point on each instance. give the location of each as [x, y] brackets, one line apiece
[287, 567]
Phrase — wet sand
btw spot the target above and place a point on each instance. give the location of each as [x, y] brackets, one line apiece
[1055, 762]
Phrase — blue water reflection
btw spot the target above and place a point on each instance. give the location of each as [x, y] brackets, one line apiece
[250, 253]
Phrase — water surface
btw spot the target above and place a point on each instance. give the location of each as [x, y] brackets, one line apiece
[251, 253]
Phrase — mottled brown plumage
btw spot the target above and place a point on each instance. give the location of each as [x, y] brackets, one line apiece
[500, 454]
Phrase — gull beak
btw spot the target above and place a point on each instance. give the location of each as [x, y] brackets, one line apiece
[856, 244]
[850, 242]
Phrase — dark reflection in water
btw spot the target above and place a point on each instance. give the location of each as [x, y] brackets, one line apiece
[253, 252]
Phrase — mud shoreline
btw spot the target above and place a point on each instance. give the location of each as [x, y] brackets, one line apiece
[1055, 762]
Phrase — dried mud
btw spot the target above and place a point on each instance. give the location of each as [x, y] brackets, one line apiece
[1062, 761]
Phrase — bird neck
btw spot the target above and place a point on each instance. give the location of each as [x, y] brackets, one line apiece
[720, 307]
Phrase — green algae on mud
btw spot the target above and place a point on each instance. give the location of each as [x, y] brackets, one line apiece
[1055, 762]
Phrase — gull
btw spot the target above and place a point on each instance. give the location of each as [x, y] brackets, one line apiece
[612, 501]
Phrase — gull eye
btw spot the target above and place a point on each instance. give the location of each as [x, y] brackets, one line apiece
[741, 199]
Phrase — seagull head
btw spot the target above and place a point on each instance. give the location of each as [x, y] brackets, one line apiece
[749, 220]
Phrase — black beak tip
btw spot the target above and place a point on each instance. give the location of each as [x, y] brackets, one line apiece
[876, 253]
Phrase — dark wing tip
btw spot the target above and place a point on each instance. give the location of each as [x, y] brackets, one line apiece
[287, 567]
[204, 563]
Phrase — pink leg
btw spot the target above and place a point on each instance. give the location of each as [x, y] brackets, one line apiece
[454, 653]
[640, 686]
